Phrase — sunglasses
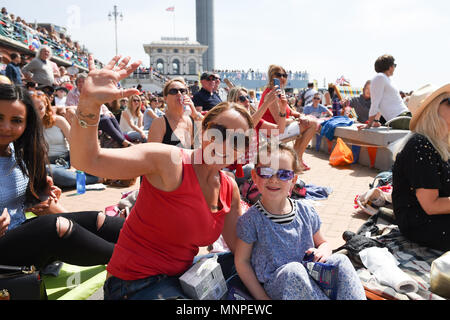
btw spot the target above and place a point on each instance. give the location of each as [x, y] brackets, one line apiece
[244, 98]
[267, 173]
[279, 75]
[136, 100]
[213, 79]
[174, 91]
[446, 100]
[36, 93]
[232, 137]
[316, 98]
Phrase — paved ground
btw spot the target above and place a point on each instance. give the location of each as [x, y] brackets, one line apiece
[337, 212]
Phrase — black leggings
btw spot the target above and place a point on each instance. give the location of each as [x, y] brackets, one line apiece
[110, 126]
[37, 241]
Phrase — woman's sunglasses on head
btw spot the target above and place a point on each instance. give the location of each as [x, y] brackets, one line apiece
[267, 173]
[238, 139]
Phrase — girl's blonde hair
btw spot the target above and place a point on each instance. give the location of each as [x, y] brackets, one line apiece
[435, 128]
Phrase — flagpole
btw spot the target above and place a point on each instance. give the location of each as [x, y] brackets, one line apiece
[174, 23]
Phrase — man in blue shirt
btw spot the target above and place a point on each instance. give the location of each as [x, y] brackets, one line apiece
[316, 109]
[13, 69]
[206, 98]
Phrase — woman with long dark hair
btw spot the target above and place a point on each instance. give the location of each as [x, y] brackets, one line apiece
[85, 238]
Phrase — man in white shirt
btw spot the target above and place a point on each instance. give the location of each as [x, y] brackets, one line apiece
[386, 99]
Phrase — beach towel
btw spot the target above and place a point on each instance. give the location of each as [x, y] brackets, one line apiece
[329, 126]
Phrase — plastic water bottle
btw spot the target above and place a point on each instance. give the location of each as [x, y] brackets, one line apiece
[81, 182]
[186, 109]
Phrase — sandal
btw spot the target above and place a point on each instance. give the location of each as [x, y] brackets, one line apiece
[305, 167]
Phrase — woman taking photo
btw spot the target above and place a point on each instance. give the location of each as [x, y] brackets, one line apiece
[308, 125]
[132, 121]
[421, 173]
[85, 238]
[175, 127]
[185, 201]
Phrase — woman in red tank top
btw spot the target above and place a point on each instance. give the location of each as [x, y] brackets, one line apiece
[308, 125]
[185, 201]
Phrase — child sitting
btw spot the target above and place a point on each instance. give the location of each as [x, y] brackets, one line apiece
[277, 233]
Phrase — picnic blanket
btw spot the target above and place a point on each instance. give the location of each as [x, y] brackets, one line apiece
[414, 260]
[73, 282]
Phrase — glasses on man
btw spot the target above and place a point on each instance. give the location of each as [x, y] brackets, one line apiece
[174, 91]
[281, 75]
[212, 79]
[316, 98]
[267, 173]
[238, 139]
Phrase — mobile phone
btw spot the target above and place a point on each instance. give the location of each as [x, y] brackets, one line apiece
[276, 82]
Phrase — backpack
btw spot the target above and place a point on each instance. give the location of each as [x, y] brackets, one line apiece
[384, 178]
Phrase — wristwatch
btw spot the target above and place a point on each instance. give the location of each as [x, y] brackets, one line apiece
[282, 115]
[376, 121]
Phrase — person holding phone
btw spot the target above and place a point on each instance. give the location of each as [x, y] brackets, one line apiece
[308, 125]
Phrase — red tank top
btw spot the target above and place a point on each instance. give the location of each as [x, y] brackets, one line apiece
[164, 231]
[267, 115]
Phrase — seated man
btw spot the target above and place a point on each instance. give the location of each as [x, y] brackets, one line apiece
[316, 109]
[207, 98]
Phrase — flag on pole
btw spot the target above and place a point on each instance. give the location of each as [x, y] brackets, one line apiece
[171, 9]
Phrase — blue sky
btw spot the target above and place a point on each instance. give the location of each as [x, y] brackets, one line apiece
[325, 37]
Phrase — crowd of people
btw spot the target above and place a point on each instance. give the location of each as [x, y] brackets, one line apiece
[34, 36]
[257, 75]
[192, 149]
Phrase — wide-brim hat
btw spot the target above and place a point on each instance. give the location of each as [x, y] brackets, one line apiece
[420, 100]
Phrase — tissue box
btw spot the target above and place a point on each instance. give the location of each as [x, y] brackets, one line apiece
[204, 281]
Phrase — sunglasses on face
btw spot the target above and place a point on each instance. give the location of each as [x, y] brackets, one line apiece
[212, 79]
[174, 91]
[281, 75]
[36, 93]
[236, 138]
[267, 173]
[244, 98]
[316, 98]
[447, 100]
[136, 100]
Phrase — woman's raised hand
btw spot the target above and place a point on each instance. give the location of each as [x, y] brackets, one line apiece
[101, 84]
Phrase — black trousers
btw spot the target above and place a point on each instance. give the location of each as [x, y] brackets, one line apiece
[37, 242]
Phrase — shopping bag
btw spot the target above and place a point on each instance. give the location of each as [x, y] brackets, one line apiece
[342, 155]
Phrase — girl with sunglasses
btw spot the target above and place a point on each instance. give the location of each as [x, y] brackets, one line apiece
[185, 201]
[132, 121]
[284, 113]
[175, 127]
[277, 233]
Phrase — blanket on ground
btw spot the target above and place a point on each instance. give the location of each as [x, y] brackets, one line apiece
[415, 260]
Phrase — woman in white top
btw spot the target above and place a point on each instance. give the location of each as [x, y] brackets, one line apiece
[386, 99]
[132, 121]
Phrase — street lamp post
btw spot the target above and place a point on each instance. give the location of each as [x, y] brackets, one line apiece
[116, 15]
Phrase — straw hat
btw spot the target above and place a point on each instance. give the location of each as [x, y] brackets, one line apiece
[420, 100]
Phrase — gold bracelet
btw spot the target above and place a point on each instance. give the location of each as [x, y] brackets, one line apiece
[84, 124]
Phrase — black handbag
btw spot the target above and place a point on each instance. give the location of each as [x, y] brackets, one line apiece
[22, 283]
